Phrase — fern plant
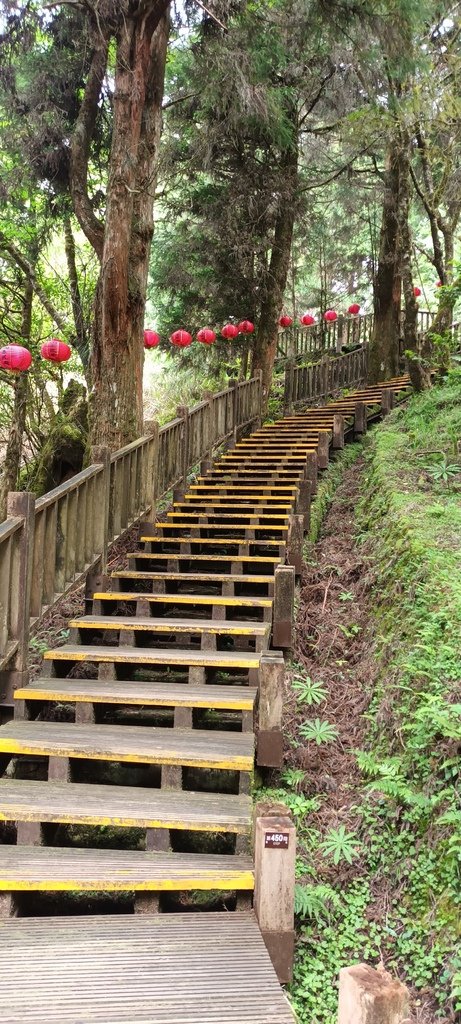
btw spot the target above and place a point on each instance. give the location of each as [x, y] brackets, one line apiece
[308, 691]
[340, 845]
[315, 901]
[319, 731]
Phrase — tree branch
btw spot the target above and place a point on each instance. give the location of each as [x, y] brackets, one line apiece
[31, 276]
[80, 147]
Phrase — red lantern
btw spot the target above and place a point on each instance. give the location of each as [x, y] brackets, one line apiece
[229, 331]
[181, 339]
[151, 339]
[56, 351]
[206, 336]
[416, 291]
[245, 327]
[330, 315]
[354, 309]
[438, 284]
[307, 320]
[15, 358]
[285, 321]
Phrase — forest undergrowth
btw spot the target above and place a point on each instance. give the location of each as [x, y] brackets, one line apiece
[373, 717]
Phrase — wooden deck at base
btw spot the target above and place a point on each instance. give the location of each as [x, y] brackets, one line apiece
[155, 969]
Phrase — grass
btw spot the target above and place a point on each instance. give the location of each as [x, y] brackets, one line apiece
[398, 898]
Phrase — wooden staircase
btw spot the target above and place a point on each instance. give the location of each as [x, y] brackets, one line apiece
[141, 735]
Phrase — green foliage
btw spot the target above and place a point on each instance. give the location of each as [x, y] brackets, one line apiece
[308, 691]
[319, 731]
[340, 845]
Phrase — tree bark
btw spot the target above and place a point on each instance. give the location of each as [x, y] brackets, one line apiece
[265, 344]
[383, 360]
[12, 460]
[81, 335]
[117, 355]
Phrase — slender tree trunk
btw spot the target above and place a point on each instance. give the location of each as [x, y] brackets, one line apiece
[383, 360]
[118, 353]
[81, 335]
[12, 461]
[265, 345]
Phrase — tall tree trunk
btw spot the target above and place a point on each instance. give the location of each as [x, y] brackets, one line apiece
[81, 335]
[417, 360]
[117, 355]
[265, 344]
[12, 460]
[383, 360]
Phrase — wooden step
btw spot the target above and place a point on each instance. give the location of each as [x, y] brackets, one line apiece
[154, 656]
[157, 969]
[257, 498]
[77, 803]
[146, 623]
[212, 506]
[193, 577]
[208, 517]
[217, 542]
[147, 694]
[196, 748]
[165, 556]
[187, 599]
[61, 869]
[216, 528]
[238, 488]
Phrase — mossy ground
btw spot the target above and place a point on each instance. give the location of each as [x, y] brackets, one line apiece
[377, 806]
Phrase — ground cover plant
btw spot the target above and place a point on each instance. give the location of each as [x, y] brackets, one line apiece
[373, 721]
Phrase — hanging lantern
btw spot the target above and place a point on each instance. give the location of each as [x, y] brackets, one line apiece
[307, 319]
[416, 291]
[330, 315]
[285, 321]
[15, 358]
[245, 327]
[181, 339]
[56, 351]
[206, 336]
[438, 284]
[354, 309]
[229, 331]
[151, 339]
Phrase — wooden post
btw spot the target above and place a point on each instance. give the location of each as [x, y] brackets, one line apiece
[257, 424]
[323, 450]
[232, 439]
[340, 332]
[182, 412]
[311, 471]
[20, 504]
[152, 428]
[367, 996]
[271, 683]
[283, 608]
[387, 401]
[289, 385]
[360, 419]
[97, 579]
[338, 431]
[275, 861]
[295, 542]
[303, 502]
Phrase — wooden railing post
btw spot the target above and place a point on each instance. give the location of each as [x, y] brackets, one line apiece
[233, 434]
[96, 578]
[150, 482]
[387, 401]
[283, 609]
[360, 419]
[369, 996]
[295, 542]
[206, 462]
[271, 685]
[179, 491]
[258, 374]
[289, 385]
[338, 431]
[275, 863]
[20, 504]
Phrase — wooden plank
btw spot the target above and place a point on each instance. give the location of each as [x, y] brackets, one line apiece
[167, 555]
[60, 869]
[194, 599]
[154, 694]
[196, 577]
[199, 748]
[123, 806]
[165, 625]
[148, 968]
[152, 656]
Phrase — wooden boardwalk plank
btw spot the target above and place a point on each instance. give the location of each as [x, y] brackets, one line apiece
[162, 969]
[199, 748]
[154, 656]
[59, 869]
[176, 625]
[155, 694]
[187, 599]
[123, 806]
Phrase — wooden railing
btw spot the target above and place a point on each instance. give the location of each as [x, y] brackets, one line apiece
[305, 384]
[303, 343]
[51, 544]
